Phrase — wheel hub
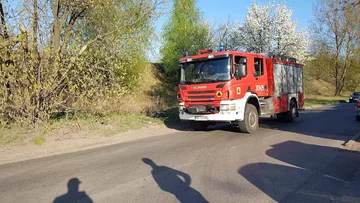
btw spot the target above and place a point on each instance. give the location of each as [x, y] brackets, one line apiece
[293, 112]
[252, 119]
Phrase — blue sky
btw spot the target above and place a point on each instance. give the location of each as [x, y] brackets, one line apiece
[218, 11]
[215, 10]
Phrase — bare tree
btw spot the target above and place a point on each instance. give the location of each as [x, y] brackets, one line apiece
[338, 24]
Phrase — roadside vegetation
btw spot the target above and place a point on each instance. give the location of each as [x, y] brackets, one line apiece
[69, 127]
[81, 67]
[323, 100]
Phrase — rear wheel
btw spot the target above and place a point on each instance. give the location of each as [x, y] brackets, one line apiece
[250, 124]
[291, 115]
[198, 125]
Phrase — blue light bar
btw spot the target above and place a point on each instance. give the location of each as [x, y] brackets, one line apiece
[222, 47]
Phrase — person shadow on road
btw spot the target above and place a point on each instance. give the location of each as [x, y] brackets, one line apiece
[73, 195]
[175, 182]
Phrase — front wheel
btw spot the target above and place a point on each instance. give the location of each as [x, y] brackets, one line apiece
[357, 118]
[250, 124]
[198, 125]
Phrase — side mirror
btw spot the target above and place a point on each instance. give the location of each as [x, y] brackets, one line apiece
[240, 71]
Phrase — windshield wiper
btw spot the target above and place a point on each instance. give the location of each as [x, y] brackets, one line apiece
[189, 82]
[210, 80]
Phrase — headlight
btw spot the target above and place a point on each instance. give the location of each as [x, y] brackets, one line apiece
[224, 107]
[227, 107]
[181, 107]
[350, 97]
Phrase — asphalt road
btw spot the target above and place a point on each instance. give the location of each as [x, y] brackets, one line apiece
[283, 162]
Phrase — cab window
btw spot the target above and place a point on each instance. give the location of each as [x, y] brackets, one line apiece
[258, 67]
[241, 61]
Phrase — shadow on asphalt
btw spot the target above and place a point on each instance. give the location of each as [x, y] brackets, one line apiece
[325, 122]
[332, 122]
[303, 181]
[175, 182]
[73, 194]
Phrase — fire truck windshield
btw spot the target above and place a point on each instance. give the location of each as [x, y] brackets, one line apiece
[207, 71]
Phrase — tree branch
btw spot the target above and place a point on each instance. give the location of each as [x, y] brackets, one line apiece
[71, 24]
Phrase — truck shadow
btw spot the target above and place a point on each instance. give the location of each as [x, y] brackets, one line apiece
[331, 122]
[302, 178]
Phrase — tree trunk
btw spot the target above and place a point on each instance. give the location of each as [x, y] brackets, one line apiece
[36, 62]
[3, 22]
[57, 29]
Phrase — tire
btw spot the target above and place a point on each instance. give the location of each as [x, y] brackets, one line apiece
[291, 115]
[198, 125]
[351, 101]
[357, 118]
[250, 124]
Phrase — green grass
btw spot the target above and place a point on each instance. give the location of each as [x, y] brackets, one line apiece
[322, 100]
[38, 141]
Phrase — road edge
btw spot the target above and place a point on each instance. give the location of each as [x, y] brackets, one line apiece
[16, 154]
[352, 140]
[315, 106]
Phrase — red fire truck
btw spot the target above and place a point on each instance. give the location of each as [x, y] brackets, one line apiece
[232, 86]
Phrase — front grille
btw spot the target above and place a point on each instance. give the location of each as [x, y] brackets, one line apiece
[201, 97]
[203, 92]
[201, 109]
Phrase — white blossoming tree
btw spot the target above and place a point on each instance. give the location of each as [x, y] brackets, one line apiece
[269, 28]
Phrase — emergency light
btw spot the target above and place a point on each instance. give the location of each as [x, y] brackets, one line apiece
[221, 48]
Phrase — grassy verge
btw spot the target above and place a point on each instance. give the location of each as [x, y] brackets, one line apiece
[68, 128]
[311, 100]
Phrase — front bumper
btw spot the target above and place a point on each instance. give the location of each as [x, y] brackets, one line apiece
[223, 116]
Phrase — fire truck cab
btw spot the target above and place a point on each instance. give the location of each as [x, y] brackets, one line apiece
[232, 86]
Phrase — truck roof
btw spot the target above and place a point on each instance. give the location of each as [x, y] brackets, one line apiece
[226, 53]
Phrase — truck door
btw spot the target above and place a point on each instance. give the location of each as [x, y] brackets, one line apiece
[241, 85]
[260, 76]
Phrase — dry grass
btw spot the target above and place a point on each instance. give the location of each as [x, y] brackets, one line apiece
[320, 88]
[82, 126]
[321, 92]
[145, 98]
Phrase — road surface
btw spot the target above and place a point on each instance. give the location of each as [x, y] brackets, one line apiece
[283, 162]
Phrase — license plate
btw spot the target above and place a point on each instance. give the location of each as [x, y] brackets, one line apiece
[200, 118]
